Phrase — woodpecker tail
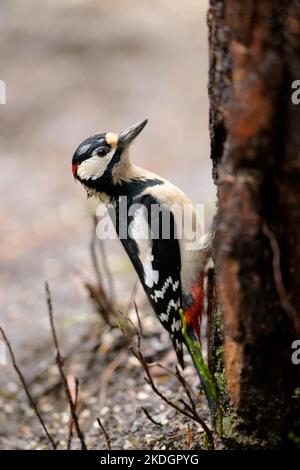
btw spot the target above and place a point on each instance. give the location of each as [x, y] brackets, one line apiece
[207, 380]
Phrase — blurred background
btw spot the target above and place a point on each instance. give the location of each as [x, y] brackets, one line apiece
[74, 68]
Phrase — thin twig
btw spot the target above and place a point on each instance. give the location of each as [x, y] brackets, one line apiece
[98, 296]
[28, 393]
[190, 437]
[133, 293]
[140, 328]
[94, 253]
[187, 410]
[150, 417]
[107, 374]
[105, 433]
[106, 268]
[98, 293]
[186, 389]
[71, 422]
[99, 242]
[60, 366]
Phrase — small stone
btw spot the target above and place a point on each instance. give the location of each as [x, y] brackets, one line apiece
[95, 424]
[12, 387]
[92, 400]
[65, 417]
[104, 411]
[26, 430]
[46, 407]
[142, 395]
[8, 409]
[85, 414]
[127, 445]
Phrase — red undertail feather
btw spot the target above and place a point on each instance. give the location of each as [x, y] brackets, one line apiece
[193, 314]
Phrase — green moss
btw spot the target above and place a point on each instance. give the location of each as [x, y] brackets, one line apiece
[235, 434]
[218, 360]
[294, 438]
[205, 443]
[296, 394]
[221, 382]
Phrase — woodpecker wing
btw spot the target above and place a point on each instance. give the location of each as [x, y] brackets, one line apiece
[156, 259]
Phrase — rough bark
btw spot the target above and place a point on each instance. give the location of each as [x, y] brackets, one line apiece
[255, 148]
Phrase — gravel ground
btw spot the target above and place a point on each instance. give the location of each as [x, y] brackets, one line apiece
[74, 68]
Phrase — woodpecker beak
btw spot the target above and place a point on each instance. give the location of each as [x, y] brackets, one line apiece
[126, 137]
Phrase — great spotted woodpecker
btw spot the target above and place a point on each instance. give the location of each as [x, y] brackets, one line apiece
[170, 265]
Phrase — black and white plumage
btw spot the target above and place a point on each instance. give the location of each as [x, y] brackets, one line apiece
[169, 271]
[157, 263]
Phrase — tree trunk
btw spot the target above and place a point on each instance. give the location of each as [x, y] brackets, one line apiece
[255, 148]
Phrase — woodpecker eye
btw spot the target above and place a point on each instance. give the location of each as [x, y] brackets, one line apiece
[101, 152]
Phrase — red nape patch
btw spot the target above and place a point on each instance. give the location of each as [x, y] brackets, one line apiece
[74, 169]
[194, 313]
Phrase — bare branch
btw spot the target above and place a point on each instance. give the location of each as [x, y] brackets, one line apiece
[97, 292]
[106, 268]
[150, 417]
[94, 253]
[105, 433]
[107, 373]
[71, 422]
[60, 366]
[187, 410]
[26, 389]
[186, 389]
[140, 329]
[134, 290]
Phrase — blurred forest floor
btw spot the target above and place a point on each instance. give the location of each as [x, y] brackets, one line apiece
[74, 68]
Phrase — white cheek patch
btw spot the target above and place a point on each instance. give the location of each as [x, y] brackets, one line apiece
[94, 167]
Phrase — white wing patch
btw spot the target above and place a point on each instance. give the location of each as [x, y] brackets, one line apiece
[139, 231]
[159, 294]
[151, 275]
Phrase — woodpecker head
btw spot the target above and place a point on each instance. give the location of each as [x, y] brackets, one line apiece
[97, 158]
